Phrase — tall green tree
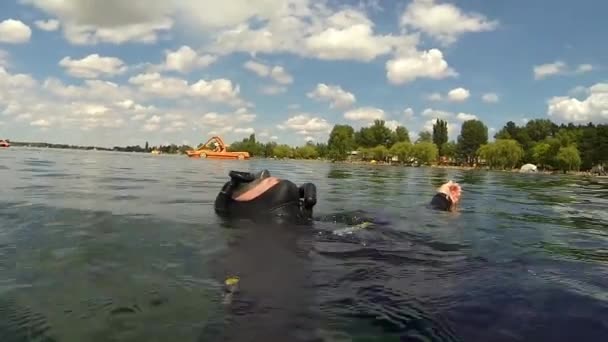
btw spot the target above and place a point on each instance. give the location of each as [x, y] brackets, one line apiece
[374, 135]
[341, 141]
[401, 135]
[440, 134]
[424, 136]
[473, 134]
[539, 129]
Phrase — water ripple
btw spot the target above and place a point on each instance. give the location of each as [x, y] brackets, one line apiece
[126, 247]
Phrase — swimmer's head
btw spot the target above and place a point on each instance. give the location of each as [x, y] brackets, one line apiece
[452, 192]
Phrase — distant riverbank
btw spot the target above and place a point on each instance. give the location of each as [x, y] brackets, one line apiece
[323, 160]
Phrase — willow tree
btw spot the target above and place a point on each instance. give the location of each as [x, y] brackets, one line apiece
[568, 159]
[501, 154]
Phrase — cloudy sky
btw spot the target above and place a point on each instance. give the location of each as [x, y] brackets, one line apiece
[118, 72]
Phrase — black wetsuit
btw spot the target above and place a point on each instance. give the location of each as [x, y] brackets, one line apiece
[284, 201]
[441, 202]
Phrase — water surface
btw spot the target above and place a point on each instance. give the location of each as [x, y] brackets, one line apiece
[103, 246]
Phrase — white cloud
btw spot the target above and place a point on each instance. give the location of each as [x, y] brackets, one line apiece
[434, 97]
[224, 123]
[14, 32]
[273, 90]
[392, 124]
[306, 124]
[91, 90]
[277, 73]
[280, 75]
[354, 42]
[185, 59]
[424, 64]
[152, 124]
[578, 90]
[545, 70]
[274, 137]
[434, 113]
[15, 86]
[138, 117]
[218, 90]
[47, 25]
[3, 58]
[490, 98]
[408, 113]
[444, 22]
[40, 123]
[112, 21]
[23, 117]
[364, 114]
[309, 139]
[559, 68]
[335, 95]
[94, 104]
[311, 29]
[459, 94]
[93, 66]
[174, 125]
[584, 68]
[465, 117]
[248, 130]
[259, 69]
[593, 108]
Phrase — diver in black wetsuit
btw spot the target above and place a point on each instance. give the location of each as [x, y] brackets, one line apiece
[261, 196]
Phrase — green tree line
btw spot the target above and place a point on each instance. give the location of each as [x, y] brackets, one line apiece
[540, 141]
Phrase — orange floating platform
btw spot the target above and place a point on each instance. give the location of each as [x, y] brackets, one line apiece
[217, 152]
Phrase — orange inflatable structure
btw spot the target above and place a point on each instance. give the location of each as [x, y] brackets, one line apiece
[217, 152]
[4, 143]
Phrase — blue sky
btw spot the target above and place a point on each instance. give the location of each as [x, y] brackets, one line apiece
[115, 73]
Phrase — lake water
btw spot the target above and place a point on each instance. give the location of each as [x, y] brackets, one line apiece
[102, 246]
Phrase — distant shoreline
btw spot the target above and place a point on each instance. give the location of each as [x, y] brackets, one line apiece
[356, 162]
[471, 168]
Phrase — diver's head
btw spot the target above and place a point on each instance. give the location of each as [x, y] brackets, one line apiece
[447, 197]
[452, 190]
[261, 196]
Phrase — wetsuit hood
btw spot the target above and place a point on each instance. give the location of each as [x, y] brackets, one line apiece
[259, 195]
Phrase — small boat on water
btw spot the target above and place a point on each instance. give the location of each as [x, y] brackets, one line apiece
[5, 143]
[219, 151]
